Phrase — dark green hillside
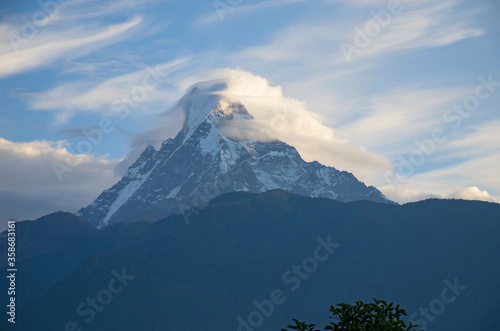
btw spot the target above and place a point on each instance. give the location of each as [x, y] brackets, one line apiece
[243, 247]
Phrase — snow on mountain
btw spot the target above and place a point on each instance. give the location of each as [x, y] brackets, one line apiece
[201, 163]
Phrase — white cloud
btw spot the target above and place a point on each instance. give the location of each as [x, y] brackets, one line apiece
[403, 193]
[474, 193]
[290, 120]
[30, 187]
[54, 33]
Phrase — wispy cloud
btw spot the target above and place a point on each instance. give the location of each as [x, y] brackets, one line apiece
[57, 32]
[472, 173]
[476, 156]
[391, 122]
[419, 25]
[223, 10]
[134, 92]
[483, 139]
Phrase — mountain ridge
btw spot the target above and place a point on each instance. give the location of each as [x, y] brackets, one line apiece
[207, 274]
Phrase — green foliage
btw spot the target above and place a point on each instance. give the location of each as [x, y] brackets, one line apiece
[373, 316]
[301, 326]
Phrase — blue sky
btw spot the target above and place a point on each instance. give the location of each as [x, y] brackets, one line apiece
[388, 80]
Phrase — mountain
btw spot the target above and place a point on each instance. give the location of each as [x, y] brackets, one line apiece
[50, 248]
[34, 238]
[201, 163]
[437, 258]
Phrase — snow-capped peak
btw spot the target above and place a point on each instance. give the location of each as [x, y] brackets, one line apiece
[202, 162]
[210, 107]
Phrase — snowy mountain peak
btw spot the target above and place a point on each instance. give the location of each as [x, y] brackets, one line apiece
[228, 110]
[201, 163]
[206, 103]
